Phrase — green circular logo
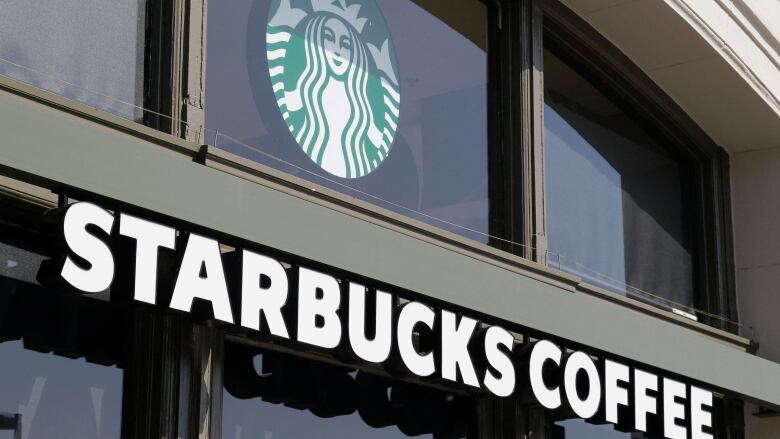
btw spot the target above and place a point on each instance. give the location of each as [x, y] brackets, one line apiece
[334, 76]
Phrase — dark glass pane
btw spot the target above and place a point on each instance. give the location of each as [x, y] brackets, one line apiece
[579, 429]
[60, 358]
[272, 395]
[313, 89]
[88, 50]
[617, 213]
[50, 396]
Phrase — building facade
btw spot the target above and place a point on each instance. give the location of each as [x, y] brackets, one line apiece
[389, 218]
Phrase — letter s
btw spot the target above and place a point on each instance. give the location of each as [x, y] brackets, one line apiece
[100, 273]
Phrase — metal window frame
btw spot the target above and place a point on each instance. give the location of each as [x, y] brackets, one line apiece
[707, 161]
[521, 155]
[174, 67]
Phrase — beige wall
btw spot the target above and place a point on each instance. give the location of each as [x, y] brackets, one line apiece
[756, 209]
[718, 59]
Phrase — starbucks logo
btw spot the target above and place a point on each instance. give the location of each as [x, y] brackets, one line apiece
[333, 71]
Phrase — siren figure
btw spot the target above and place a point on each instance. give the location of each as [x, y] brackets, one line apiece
[336, 123]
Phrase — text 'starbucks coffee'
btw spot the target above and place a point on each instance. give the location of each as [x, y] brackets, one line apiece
[334, 75]
[315, 309]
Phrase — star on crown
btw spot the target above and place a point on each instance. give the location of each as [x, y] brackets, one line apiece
[340, 9]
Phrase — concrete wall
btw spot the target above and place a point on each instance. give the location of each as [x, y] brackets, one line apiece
[756, 209]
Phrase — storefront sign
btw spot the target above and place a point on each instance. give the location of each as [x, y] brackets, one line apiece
[336, 314]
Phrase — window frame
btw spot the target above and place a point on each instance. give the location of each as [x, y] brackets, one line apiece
[518, 183]
[174, 67]
[709, 163]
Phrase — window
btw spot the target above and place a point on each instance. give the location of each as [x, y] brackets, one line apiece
[91, 51]
[385, 101]
[618, 213]
[269, 394]
[62, 357]
[579, 429]
[635, 193]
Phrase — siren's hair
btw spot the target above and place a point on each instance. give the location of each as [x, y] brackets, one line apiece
[314, 134]
[356, 133]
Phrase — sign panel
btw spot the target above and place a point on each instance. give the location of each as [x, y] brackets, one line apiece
[319, 310]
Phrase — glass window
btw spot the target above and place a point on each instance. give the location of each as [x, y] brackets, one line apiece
[88, 50]
[383, 100]
[272, 395]
[579, 429]
[45, 395]
[60, 368]
[618, 211]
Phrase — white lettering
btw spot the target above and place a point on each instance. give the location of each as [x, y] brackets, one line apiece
[99, 275]
[576, 362]
[614, 393]
[411, 314]
[674, 410]
[149, 238]
[542, 352]
[202, 253]
[310, 307]
[503, 384]
[378, 349]
[699, 416]
[256, 299]
[644, 403]
[454, 348]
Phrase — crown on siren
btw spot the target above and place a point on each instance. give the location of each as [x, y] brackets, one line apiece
[340, 9]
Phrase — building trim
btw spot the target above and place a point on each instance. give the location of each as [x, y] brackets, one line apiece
[56, 148]
[271, 178]
[721, 42]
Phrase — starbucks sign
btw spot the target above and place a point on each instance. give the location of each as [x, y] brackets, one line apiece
[333, 71]
[361, 321]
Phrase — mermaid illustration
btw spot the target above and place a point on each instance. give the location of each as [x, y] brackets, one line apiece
[341, 103]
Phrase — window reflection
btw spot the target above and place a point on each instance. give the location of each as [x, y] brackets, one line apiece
[617, 209]
[59, 358]
[276, 396]
[47, 396]
[87, 50]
